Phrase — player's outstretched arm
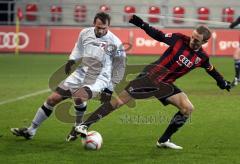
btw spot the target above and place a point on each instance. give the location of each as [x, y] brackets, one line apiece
[235, 23]
[221, 82]
[151, 31]
[224, 84]
[137, 21]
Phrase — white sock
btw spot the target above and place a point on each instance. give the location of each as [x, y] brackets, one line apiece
[42, 114]
[79, 111]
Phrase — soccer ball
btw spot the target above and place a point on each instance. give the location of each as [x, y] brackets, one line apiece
[93, 141]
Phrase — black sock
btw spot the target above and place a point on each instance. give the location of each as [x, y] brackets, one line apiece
[177, 121]
[101, 112]
[237, 69]
[46, 110]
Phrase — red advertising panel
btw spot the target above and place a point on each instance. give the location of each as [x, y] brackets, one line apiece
[62, 40]
[125, 36]
[122, 33]
[226, 41]
[31, 39]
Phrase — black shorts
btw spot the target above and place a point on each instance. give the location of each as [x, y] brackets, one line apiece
[142, 87]
[176, 90]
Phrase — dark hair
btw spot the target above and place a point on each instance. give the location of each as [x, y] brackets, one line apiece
[104, 17]
[205, 31]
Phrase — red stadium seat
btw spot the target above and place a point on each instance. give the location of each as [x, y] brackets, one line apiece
[80, 13]
[203, 13]
[154, 11]
[178, 12]
[128, 10]
[56, 13]
[31, 12]
[104, 8]
[228, 14]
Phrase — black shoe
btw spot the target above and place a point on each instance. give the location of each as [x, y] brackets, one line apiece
[73, 135]
[22, 132]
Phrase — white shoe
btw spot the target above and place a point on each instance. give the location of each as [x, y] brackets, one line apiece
[82, 130]
[235, 82]
[168, 144]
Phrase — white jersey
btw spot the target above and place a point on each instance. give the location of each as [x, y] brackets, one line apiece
[101, 58]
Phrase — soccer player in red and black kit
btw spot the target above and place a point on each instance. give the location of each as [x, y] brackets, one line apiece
[183, 55]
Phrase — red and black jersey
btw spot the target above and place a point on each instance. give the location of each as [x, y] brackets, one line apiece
[178, 59]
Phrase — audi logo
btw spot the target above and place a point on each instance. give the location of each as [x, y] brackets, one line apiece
[9, 40]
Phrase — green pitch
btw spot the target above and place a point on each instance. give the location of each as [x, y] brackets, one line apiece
[129, 134]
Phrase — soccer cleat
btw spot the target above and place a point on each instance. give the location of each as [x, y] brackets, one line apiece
[82, 130]
[73, 135]
[22, 132]
[168, 144]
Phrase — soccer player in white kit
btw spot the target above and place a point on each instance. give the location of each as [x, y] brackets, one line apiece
[236, 56]
[102, 66]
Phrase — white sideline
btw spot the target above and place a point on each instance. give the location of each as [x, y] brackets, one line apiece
[24, 96]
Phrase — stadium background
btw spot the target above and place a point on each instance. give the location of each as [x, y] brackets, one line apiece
[53, 26]
[129, 134]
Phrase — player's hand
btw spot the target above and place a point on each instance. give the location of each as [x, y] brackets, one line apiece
[136, 21]
[68, 66]
[231, 25]
[105, 95]
[224, 84]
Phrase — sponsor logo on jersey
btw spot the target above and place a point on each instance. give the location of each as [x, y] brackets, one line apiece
[168, 35]
[197, 60]
[183, 60]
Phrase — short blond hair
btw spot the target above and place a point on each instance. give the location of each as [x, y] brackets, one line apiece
[205, 31]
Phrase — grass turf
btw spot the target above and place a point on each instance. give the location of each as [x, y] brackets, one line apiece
[129, 134]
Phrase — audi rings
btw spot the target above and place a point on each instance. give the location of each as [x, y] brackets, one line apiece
[12, 40]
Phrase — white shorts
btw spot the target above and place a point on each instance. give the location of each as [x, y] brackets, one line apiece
[73, 83]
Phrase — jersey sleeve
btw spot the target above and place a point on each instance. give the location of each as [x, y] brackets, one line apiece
[77, 51]
[211, 70]
[168, 38]
[207, 65]
[119, 63]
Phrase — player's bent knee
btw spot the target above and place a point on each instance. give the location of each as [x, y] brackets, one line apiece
[122, 99]
[54, 99]
[83, 94]
[187, 110]
[117, 103]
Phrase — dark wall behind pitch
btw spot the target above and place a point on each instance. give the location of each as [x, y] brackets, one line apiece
[6, 12]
